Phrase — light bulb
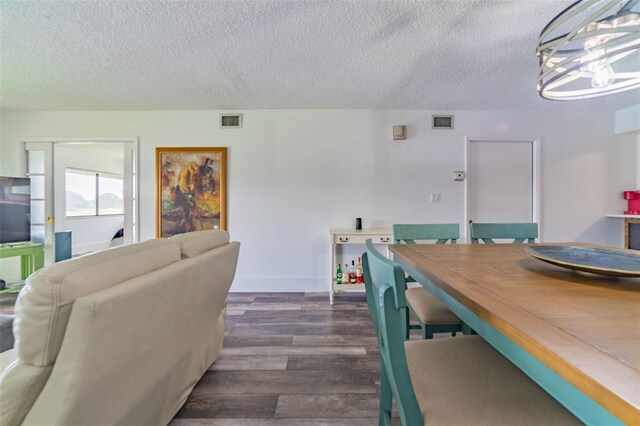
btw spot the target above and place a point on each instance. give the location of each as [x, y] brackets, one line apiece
[593, 47]
[603, 75]
[590, 61]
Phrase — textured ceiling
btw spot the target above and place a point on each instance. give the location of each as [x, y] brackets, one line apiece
[146, 55]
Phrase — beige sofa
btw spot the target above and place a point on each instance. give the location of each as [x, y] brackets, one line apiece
[120, 336]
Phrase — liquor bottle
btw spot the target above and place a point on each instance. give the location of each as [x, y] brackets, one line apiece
[339, 275]
[359, 274]
[345, 274]
[352, 273]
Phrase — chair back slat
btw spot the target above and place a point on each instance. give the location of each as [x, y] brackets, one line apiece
[368, 290]
[378, 272]
[518, 232]
[410, 233]
[384, 282]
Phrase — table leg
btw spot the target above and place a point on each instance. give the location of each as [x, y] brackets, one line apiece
[25, 266]
[38, 258]
[31, 257]
[332, 269]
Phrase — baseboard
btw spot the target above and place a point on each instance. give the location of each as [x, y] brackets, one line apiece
[279, 284]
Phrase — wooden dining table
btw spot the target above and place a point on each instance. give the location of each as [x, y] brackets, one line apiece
[576, 334]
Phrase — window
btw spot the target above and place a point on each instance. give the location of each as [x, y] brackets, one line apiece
[109, 194]
[91, 193]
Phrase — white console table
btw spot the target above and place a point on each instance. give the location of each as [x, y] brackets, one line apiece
[351, 236]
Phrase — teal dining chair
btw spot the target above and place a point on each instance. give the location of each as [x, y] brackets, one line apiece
[456, 381]
[431, 314]
[518, 232]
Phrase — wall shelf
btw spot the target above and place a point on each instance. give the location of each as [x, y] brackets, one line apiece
[629, 216]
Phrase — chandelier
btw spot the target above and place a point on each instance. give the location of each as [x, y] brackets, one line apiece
[590, 49]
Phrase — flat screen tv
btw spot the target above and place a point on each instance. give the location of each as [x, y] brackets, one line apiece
[15, 210]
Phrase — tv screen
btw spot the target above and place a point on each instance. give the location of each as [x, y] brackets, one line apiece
[15, 210]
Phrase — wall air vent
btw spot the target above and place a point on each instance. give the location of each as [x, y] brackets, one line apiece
[442, 121]
[230, 121]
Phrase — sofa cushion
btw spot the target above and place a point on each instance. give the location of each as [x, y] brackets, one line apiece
[44, 304]
[7, 358]
[194, 243]
[20, 385]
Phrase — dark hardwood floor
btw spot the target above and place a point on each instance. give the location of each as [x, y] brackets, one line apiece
[7, 303]
[290, 359]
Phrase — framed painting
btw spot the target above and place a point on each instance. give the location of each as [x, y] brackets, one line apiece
[192, 190]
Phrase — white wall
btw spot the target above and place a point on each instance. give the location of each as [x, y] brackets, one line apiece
[623, 175]
[624, 162]
[87, 233]
[294, 174]
[627, 119]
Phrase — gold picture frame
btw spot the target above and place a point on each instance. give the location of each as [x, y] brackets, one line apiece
[191, 190]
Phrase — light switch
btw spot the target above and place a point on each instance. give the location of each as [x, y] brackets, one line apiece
[435, 197]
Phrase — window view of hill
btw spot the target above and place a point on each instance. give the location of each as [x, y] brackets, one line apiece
[108, 203]
[83, 188]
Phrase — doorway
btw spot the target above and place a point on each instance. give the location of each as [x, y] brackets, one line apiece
[503, 181]
[50, 162]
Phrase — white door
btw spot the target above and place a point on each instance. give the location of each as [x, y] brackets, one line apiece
[130, 193]
[500, 181]
[40, 169]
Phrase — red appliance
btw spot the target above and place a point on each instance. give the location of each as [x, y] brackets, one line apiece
[633, 197]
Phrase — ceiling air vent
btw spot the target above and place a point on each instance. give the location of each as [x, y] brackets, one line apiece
[442, 121]
[230, 121]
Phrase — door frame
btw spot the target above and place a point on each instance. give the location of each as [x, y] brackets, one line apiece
[536, 213]
[135, 167]
[47, 174]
